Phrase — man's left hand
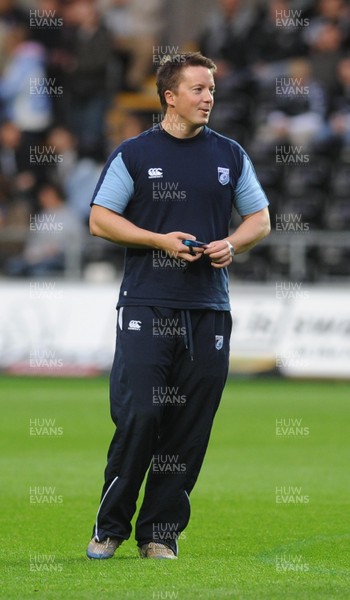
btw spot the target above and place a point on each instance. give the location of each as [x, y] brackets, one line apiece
[219, 254]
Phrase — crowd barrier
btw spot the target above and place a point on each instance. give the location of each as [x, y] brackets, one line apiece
[61, 328]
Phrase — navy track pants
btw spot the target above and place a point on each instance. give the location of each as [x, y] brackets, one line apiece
[168, 374]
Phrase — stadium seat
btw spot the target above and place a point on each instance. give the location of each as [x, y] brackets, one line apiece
[269, 174]
[333, 263]
[301, 177]
[337, 215]
[341, 181]
[250, 266]
[307, 209]
[232, 117]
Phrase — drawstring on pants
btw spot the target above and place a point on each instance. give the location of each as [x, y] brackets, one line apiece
[188, 334]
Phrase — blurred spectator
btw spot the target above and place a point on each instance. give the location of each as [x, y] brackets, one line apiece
[18, 176]
[276, 43]
[181, 31]
[336, 134]
[87, 77]
[77, 174]
[52, 231]
[336, 12]
[10, 16]
[325, 50]
[63, 145]
[13, 158]
[327, 37]
[48, 28]
[136, 27]
[228, 35]
[14, 217]
[16, 186]
[24, 89]
[299, 107]
[133, 124]
[227, 39]
[118, 20]
[11, 12]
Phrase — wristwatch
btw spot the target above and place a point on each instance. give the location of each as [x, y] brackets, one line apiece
[232, 250]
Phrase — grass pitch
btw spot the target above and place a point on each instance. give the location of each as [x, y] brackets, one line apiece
[270, 513]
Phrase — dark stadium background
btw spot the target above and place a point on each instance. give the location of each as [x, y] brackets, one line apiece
[282, 91]
[76, 78]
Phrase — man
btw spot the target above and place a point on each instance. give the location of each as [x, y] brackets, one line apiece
[55, 228]
[177, 181]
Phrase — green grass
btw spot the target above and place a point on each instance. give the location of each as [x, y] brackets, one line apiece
[237, 532]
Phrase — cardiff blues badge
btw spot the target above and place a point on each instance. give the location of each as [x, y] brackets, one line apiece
[223, 175]
[219, 341]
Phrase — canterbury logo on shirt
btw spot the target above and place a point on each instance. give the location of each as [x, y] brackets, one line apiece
[155, 173]
[135, 325]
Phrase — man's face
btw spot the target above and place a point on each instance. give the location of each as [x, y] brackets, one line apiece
[194, 97]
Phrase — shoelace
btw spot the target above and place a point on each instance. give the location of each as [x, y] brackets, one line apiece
[157, 545]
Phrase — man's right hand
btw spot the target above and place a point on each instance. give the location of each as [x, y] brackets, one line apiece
[172, 243]
[111, 226]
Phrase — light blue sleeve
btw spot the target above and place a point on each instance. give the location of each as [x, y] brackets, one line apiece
[117, 187]
[249, 195]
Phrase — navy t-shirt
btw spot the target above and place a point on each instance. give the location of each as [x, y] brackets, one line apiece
[162, 183]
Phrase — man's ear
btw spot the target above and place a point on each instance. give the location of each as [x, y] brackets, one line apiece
[169, 97]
